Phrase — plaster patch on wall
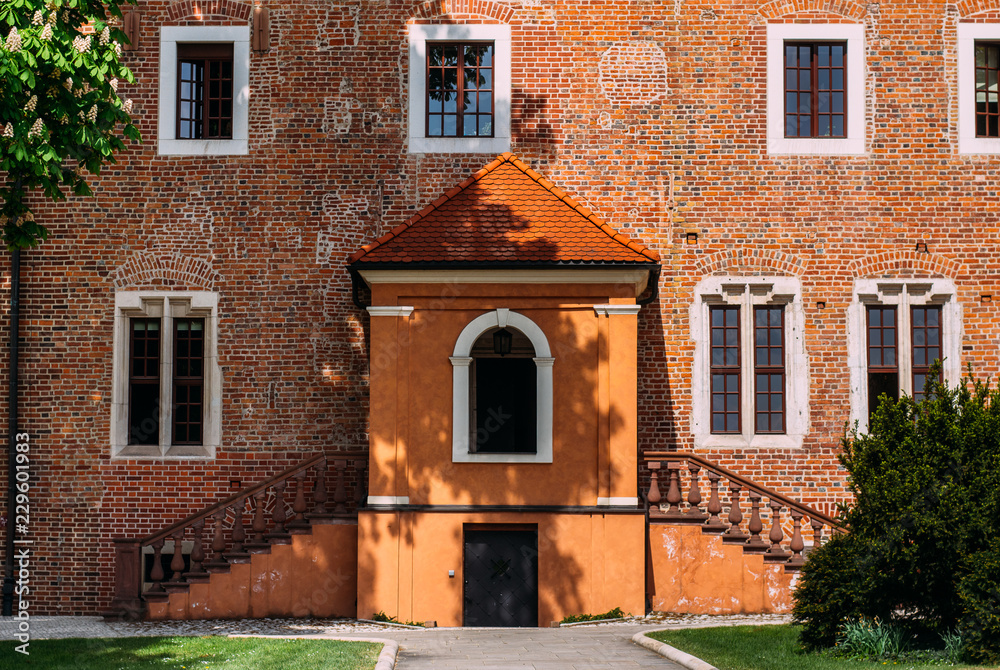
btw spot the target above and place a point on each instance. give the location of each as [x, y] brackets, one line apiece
[338, 113]
[341, 214]
[633, 73]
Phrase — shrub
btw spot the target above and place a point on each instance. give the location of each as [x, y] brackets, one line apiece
[925, 481]
[616, 613]
[980, 594]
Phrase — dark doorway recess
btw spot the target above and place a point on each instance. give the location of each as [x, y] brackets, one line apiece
[501, 578]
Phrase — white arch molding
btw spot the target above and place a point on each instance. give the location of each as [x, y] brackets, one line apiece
[461, 359]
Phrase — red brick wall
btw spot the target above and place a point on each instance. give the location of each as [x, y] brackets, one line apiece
[651, 112]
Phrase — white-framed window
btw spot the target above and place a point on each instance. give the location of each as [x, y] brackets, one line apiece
[897, 328]
[167, 386]
[750, 383]
[197, 85]
[459, 109]
[815, 88]
[978, 91]
[471, 430]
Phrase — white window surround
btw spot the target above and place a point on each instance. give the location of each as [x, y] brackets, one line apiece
[419, 143]
[854, 35]
[904, 293]
[747, 292]
[168, 143]
[461, 360]
[968, 33]
[165, 305]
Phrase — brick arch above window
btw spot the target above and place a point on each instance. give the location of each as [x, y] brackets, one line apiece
[449, 9]
[777, 9]
[900, 263]
[212, 10]
[968, 8]
[157, 270]
[748, 260]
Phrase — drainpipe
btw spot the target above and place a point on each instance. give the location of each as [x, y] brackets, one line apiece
[15, 323]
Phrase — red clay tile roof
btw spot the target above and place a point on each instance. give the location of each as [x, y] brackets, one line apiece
[505, 214]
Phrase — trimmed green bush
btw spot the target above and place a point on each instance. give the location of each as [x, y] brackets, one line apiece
[925, 481]
[980, 594]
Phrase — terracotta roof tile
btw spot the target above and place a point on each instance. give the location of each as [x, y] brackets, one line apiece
[505, 213]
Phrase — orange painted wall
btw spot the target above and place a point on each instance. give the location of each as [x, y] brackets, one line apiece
[695, 573]
[315, 575]
[594, 390]
[586, 563]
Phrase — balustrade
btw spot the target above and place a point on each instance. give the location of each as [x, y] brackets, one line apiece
[733, 528]
[274, 519]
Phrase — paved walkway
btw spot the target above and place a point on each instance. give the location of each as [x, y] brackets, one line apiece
[591, 647]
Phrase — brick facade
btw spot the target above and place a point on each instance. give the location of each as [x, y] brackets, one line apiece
[652, 113]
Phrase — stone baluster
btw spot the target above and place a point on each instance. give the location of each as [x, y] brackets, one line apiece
[734, 534]
[674, 489]
[817, 527]
[319, 489]
[694, 513]
[340, 490]
[197, 553]
[797, 545]
[755, 544]
[714, 523]
[239, 553]
[299, 523]
[177, 562]
[653, 497]
[361, 490]
[258, 543]
[156, 575]
[218, 563]
[776, 553]
[279, 535]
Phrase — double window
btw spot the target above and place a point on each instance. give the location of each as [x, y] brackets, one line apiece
[750, 383]
[987, 100]
[166, 391]
[768, 369]
[460, 84]
[897, 330]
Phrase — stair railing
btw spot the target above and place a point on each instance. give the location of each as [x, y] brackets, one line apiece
[673, 507]
[277, 507]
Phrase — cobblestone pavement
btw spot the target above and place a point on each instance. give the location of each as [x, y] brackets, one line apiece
[588, 647]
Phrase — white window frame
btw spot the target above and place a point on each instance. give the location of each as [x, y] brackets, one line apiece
[420, 34]
[165, 305]
[854, 35]
[461, 361]
[239, 37]
[748, 292]
[903, 294]
[968, 34]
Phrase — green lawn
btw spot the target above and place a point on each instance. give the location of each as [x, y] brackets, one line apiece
[191, 653]
[767, 648]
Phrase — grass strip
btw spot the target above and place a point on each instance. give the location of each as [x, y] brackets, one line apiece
[769, 648]
[191, 653]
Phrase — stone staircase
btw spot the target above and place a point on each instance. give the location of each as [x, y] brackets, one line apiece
[298, 557]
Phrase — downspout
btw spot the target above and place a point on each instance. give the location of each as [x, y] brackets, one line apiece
[653, 285]
[12, 384]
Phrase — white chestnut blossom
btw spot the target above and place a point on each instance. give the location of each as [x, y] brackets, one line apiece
[128, 106]
[38, 18]
[36, 129]
[81, 44]
[114, 84]
[8, 131]
[92, 114]
[32, 102]
[105, 36]
[46, 32]
[14, 41]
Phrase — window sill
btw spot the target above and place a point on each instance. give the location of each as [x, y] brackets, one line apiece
[459, 145]
[155, 452]
[978, 145]
[203, 147]
[816, 146]
[762, 441]
[521, 457]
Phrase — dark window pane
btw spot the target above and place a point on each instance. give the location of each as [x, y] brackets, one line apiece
[505, 405]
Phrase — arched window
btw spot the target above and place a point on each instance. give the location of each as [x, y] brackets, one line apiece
[502, 391]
